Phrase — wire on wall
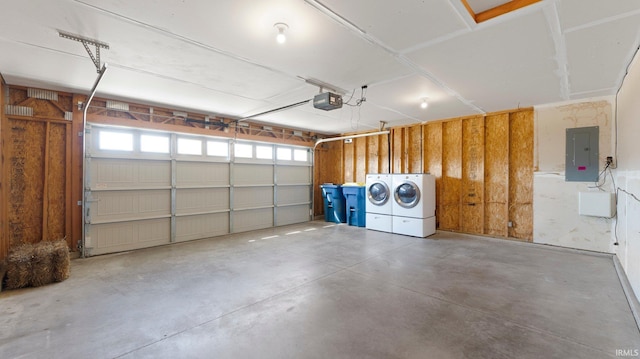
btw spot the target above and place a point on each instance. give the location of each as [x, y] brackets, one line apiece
[615, 228]
[609, 166]
[602, 180]
[605, 171]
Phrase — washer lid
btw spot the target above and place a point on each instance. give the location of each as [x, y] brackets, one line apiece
[378, 193]
[407, 194]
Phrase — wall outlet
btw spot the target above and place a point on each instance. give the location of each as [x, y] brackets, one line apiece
[348, 140]
[510, 224]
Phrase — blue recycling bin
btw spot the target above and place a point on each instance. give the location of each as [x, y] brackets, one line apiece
[355, 201]
[333, 203]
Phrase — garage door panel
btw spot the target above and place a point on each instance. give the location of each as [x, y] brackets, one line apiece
[293, 214]
[201, 226]
[126, 205]
[202, 174]
[123, 173]
[293, 174]
[252, 219]
[293, 194]
[201, 200]
[252, 197]
[252, 174]
[124, 236]
[137, 199]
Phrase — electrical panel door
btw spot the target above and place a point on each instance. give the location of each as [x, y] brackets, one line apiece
[581, 161]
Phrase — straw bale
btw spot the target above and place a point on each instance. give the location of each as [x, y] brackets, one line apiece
[61, 260]
[41, 265]
[38, 264]
[19, 266]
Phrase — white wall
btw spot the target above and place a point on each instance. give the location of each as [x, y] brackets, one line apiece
[628, 175]
[555, 202]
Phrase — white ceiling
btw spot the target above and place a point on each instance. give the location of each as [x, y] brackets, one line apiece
[221, 57]
[479, 6]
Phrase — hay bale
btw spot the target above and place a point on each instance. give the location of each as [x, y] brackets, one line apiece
[19, 266]
[38, 264]
[61, 260]
[42, 264]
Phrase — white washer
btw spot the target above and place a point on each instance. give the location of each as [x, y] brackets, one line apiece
[414, 204]
[379, 204]
[379, 187]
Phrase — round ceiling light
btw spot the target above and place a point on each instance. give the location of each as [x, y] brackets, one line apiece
[281, 37]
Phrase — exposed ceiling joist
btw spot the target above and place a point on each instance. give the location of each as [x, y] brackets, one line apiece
[499, 10]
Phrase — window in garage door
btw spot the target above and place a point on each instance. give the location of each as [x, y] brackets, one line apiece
[146, 188]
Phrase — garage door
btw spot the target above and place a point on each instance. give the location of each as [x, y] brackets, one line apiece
[146, 188]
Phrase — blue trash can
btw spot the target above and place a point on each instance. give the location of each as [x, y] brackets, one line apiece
[355, 201]
[333, 203]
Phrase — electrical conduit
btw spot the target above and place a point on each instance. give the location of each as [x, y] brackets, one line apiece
[84, 151]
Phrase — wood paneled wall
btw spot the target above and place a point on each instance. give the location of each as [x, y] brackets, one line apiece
[472, 196]
[521, 175]
[483, 167]
[341, 162]
[36, 169]
[4, 244]
[364, 155]
[496, 176]
[328, 158]
[408, 142]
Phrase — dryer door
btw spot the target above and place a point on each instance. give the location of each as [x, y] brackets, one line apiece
[378, 193]
[407, 194]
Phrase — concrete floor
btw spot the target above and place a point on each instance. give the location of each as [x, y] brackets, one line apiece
[310, 291]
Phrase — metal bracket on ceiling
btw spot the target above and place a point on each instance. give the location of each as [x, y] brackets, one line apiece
[323, 85]
[86, 42]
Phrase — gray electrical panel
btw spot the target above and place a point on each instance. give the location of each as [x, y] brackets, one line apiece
[581, 161]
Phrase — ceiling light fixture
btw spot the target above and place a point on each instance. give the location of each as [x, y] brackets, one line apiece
[281, 37]
[424, 104]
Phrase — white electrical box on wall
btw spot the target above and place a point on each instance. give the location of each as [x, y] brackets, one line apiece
[597, 204]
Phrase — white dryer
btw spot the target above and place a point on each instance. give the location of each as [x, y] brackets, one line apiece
[379, 202]
[414, 204]
[414, 195]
